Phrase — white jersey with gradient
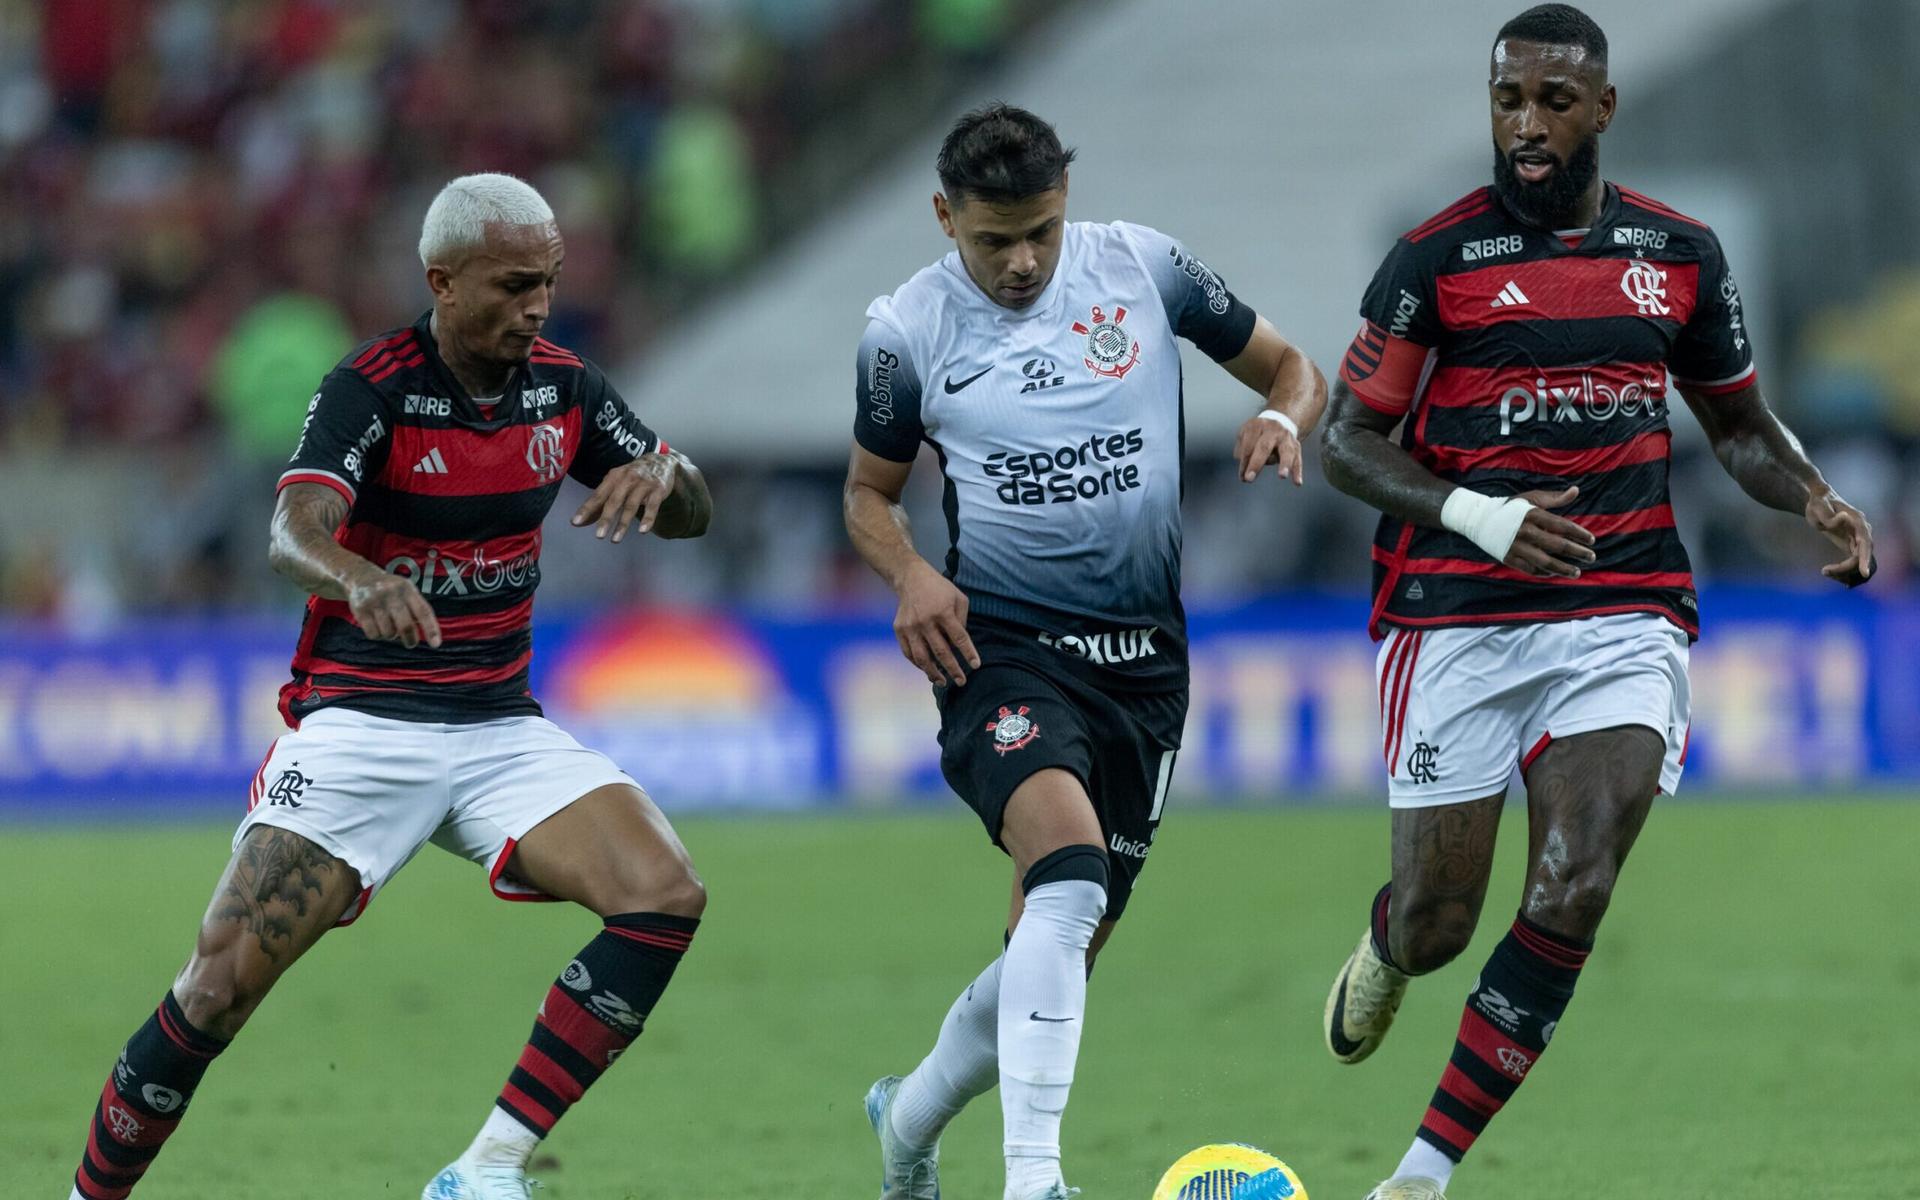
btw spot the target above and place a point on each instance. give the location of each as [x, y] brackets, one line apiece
[1060, 433]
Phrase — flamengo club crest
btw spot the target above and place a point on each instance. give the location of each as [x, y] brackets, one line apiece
[546, 452]
[1646, 285]
[1111, 351]
[1011, 730]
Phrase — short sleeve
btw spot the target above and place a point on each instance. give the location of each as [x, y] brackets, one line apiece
[345, 437]
[611, 435]
[1400, 298]
[1200, 306]
[1713, 353]
[1388, 357]
[886, 393]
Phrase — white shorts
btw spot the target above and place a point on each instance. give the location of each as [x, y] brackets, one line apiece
[371, 791]
[1461, 706]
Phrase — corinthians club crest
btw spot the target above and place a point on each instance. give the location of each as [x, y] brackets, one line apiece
[1111, 351]
[1011, 730]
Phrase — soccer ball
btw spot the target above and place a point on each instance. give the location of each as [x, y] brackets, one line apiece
[1230, 1171]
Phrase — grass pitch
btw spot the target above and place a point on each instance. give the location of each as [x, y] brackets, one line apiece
[1745, 1027]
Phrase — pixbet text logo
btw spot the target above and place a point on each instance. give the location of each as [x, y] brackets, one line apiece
[1583, 400]
[443, 575]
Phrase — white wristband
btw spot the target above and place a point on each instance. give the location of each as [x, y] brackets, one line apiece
[1489, 522]
[1281, 419]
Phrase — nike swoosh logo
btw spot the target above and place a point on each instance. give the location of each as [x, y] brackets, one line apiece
[954, 388]
[1037, 1017]
[1337, 1037]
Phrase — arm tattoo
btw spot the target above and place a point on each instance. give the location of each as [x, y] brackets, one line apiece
[1362, 460]
[302, 546]
[276, 880]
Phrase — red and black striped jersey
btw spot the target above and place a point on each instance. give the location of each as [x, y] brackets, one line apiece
[1526, 359]
[452, 496]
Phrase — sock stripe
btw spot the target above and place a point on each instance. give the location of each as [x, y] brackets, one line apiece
[663, 939]
[1556, 953]
[534, 1090]
[531, 1114]
[1438, 1132]
[1494, 1047]
[550, 1076]
[1458, 1111]
[88, 1180]
[1461, 1086]
[175, 1036]
[113, 1159]
[591, 1038]
[555, 1049]
[204, 1045]
[1489, 1078]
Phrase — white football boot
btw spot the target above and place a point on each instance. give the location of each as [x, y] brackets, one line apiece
[465, 1180]
[906, 1173]
[1412, 1187]
[1058, 1191]
[1361, 1006]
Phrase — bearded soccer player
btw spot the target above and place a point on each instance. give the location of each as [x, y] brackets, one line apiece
[1535, 603]
[412, 512]
[1039, 359]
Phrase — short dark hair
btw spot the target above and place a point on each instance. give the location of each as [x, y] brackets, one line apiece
[999, 153]
[1557, 25]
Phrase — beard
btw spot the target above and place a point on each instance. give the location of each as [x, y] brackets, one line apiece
[1554, 202]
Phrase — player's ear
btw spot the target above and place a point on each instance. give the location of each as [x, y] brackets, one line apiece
[440, 282]
[944, 214]
[1609, 101]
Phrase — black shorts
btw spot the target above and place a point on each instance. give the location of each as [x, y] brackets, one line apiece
[1014, 718]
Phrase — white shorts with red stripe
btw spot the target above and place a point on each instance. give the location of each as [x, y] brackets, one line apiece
[371, 791]
[1461, 706]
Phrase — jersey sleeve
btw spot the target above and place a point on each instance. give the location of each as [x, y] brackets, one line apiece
[611, 434]
[1398, 329]
[345, 437]
[1200, 306]
[886, 393]
[1712, 353]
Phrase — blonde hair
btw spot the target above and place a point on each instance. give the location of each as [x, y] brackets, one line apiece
[457, 220]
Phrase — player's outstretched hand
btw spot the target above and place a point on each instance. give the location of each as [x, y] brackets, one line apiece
[932, 626]
[390, 608]
[1547, 544]
[639, 488]
[1846, 527]
[1261, 442]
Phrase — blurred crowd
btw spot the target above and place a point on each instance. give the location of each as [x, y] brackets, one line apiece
[203, 202]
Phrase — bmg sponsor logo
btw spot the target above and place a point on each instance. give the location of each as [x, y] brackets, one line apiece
[1084, 472]
[881, 366]
[1582, 400]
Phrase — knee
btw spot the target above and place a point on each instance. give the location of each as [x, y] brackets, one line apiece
[1428, 937]
[1571, 902]
[218, 993]
[677, 891]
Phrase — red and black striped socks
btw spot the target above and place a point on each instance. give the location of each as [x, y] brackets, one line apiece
[143, 1101]
[1509, 1019]
[592, 1013]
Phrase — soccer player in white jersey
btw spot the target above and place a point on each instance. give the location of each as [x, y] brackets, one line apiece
[1038, 358]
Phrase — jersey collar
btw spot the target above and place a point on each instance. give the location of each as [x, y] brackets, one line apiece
[463, 404]
[1597, 235]
[1048, 301]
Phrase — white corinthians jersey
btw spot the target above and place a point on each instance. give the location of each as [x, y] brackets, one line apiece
[1060, 433]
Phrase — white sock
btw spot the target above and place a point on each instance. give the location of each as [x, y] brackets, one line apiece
[964, 1062]
[1043, 1000]
[1423, 1161]
[502, 1140]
